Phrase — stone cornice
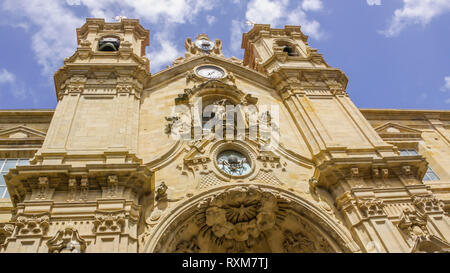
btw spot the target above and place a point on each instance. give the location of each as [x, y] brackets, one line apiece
[295, 80]
[77, 78]
[27, 112]
[264, 30]
[23, 181]
[393, 114]
[408, 169]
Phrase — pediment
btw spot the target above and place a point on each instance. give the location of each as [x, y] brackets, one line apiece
[21, 132]
[394, 130]
[183, 66]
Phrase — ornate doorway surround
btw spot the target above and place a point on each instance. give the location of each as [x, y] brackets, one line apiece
[248, 218]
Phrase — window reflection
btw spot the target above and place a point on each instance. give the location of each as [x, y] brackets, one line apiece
[5, 165]
[430, 175]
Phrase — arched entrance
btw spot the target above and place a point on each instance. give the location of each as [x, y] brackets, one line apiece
[248, 219]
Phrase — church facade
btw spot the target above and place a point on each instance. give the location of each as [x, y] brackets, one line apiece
[217, 154]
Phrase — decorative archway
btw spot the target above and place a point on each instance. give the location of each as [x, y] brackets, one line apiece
[248, 218]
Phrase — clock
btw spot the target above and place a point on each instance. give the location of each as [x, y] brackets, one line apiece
[210, 72]
[204, 44]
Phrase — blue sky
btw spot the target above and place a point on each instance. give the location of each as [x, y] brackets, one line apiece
[396, 53]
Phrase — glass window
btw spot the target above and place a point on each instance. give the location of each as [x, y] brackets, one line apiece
[430, 175]
[23, 162]
[408, 152]
[5, 165]
[3, 190]
[10, 163]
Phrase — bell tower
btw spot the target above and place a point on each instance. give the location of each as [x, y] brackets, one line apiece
[267, 49]
[98, 92]
[352, 160]
[88, 160]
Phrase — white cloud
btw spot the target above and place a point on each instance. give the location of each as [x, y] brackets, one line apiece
[373, 2]
[166, 54]
[237, 28]
[278, 13]
[312, 5]
[171, 11]
[446, 87]
[73, 2]
[11, 85]
[55, 21]
[266, 11]
[416, 12]
[6, 76]
[211, 19]
[311, 27]
[54, 38]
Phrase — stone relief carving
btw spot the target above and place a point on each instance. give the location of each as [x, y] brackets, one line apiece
[161, 204]
[318, 193]
[426, 203]
[109, 222]
[178, 124]
[413, 224]
[192, 49]
[245, 219]
[66, 241]
[239, 215]
[43, 186]
[170, 124]
[113, 184]
[32, 224]
[161, 192]
[371, 207]
[6, 230]
[190, 246]
[71, 194]
[301, 243]
[84, 188]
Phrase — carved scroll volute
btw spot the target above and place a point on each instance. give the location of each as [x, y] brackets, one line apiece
[66, 241]
[109, 222]
[427, 204]
[32, 224]
[372, 207]
[6, 230]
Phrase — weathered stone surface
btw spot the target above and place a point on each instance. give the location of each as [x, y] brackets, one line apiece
[107, 173]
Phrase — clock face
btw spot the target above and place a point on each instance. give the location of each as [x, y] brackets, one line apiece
[210, 72]
[204, 45]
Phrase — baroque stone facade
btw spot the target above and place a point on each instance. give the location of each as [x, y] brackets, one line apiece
[111, 168]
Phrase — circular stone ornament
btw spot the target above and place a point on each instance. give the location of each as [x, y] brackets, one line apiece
[233, 163]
